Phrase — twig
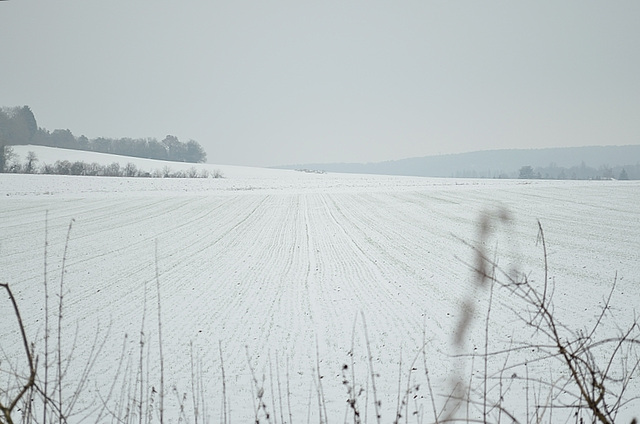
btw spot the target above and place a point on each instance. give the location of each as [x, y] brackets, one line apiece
[61, 296]
[376, 402]
[273, 397]
[7, 410]
[194, 397]
[160, 341]
[141, 363]
[46, 318]
[224, 385]
[279, 389]
[289, 394]
[322, 406]
[426, 372]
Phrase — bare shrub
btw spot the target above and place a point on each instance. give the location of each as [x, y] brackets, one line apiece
[13, 395]
[30, 164]
[130, 170]
[594, 368]
[192, 172]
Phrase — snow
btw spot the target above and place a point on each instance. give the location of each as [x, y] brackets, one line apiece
[281, 270]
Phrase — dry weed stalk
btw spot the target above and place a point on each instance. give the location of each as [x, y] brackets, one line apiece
[589, 384]
[7, 407]
[258, 388]
[49, 394]
[160, 340]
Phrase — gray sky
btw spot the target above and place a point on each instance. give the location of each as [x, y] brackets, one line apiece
[279, 82]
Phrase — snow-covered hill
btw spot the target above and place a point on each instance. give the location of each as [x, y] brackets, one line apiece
[49, 155]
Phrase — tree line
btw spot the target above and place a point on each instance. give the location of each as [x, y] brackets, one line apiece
[581, 172]
[18, 126]
[64, 167]
[556, 172]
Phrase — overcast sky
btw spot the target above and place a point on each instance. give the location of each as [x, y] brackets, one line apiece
[266, 83]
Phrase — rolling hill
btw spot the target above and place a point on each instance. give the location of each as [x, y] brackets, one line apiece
[495, 163]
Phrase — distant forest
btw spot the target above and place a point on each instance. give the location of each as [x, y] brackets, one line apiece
[18, 126]
[560, 163]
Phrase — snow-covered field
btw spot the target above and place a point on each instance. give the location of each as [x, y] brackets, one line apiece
[283, 271]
